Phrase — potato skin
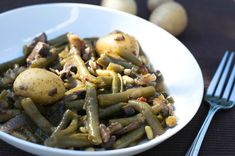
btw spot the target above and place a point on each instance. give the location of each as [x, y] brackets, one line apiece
[115, 42]
[42, 86]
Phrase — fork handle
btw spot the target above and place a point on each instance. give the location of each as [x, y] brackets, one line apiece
[195, 147]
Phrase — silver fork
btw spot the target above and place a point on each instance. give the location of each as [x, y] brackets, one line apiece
[220, 95]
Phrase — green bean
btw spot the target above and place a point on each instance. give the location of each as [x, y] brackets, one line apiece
[17, 103]
[15, 123]
[32, 111]
[126, 121]
[110, 110]
[66, 119]
[115, 82]
[146, 110]
[79, 88]
[58, 41]
[3, 94]
[115, 67]
[104, 61]
[121, 82]
[129, 57]
[130, 127]
[67, 141]
[105, 81]
[10, 64]
[133, 93]
[5, 115]
[91, 108]
[47, 61]
[90, 39]
[75, 105]
[83, 72]
[90, 43]
[72, 127]
[129, 138]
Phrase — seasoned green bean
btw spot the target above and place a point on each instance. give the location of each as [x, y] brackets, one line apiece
[104, 102]
[47, 61]
[5, 115]
[77, 89]
[129, 57]
[15, 123]
[104, 61]
[67, 141]
[3, 94]
[115, 67]
[115, 82]
[108, 99]
[146, 110]
[126, 121]
[106, 81]
[67, 119]
[32, 111]
[10, 64]
[59, 41]
[83, 72]
[75, 105]
[72, 127]
[110, 110]
[129, 138]
[130, 127]
[91, 108]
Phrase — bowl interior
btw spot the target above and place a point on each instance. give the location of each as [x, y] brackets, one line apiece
[181, 72]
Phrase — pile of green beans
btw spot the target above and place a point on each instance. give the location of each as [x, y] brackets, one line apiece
[104, 106]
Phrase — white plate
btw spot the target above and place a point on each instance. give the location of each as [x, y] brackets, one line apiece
[182, 74]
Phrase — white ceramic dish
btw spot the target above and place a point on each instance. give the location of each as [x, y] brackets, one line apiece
[182, 74]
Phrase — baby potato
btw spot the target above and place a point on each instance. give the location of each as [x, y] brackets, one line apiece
[170, 16]
[116, 43]
[128, 6]
[42, 86]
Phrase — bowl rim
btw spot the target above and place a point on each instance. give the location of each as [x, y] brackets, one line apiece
[144, 146]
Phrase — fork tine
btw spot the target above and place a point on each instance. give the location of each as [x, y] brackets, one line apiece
[224, 75]
[229, 85]
[216, 77]
[232, 97]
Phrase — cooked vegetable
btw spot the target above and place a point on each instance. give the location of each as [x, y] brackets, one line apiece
[108, 99]
[10, 64]
[91, 107]
[128, 6]
[32, 111]
[115, 67]
[84, 94]
[5, 115]
[149, 132]
[40, 85]
[110, 110]
[121, 44]
[171, 121]
[146, 110]
[105, 60]
[66, 141]
[129, 138]
[170, 16]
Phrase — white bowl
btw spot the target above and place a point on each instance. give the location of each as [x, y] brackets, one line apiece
[182, 74]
